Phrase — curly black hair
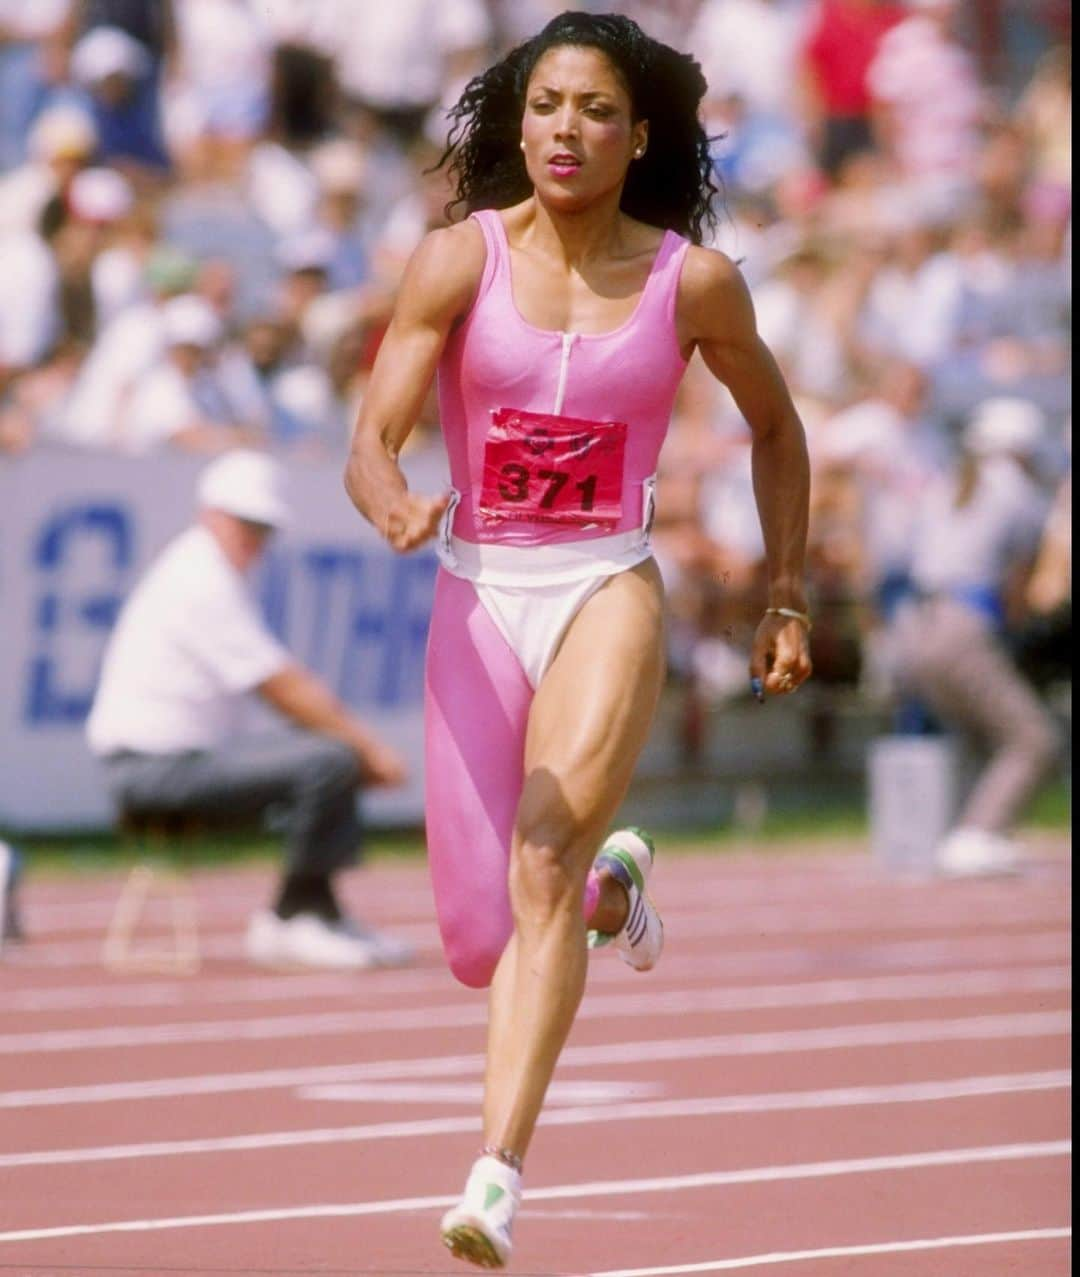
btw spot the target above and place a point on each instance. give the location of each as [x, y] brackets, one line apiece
[670, 187]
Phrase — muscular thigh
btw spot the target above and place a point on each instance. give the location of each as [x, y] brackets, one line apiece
[593, 710]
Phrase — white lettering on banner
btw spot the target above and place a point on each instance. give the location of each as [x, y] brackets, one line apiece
[79, 530]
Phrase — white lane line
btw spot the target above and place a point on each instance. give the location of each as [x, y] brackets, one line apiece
[609, 1006]
[92, 903]
[842, 1252]
[595, 1188]
[770, 920]
[677, 966]
[696, 968]
[1046, 944]
[585, 1115]
[889, 1033]
[688, 916]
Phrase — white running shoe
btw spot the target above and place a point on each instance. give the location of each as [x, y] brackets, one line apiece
[977, 853]
[307, 940]
[628, 855]
[478, 1228]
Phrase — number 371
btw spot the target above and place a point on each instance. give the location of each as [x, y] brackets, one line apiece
[515, 480]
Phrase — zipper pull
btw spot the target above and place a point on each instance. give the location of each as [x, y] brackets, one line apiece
[568, 340]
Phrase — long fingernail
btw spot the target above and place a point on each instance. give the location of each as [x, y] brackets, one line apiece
[758, 688]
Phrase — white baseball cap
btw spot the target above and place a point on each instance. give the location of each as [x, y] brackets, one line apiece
[188, 320]
[62, 131]
[248, 485]
[100, 195]
[1005, 424]
[106, 51]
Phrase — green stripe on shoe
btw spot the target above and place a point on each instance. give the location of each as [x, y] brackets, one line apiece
[624, 858]
[613, 854]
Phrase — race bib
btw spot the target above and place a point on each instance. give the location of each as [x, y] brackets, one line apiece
[542, 468]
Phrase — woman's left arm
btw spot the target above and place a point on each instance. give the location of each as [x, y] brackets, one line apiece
[717, 314]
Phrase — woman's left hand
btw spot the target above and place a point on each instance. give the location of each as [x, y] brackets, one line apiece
[780, 658]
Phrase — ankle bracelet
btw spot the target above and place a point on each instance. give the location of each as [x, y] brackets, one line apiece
[503, 1155]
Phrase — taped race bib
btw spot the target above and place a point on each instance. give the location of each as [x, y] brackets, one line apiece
[544, 468]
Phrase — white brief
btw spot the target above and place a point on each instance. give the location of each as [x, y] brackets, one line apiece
[532, 593]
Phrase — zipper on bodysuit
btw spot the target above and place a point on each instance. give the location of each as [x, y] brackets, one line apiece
[568, 340]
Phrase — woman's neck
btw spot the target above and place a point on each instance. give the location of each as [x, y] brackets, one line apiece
[575, 237]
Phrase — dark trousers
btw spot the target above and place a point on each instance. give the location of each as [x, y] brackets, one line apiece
[307, 782]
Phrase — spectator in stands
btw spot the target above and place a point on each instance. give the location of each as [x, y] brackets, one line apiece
[750, 48]
[115, 72]
[976, 539]
[1044, 116]
[62, 140]
[840, 47]
[401, 60]
[188, 649]
[220, 101]
[928, 105]
[128, 347]
[98, 198]
[340, 169]
[181, 401]
[29, 294]
[33, 55]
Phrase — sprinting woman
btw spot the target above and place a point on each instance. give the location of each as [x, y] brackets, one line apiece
[560, 316]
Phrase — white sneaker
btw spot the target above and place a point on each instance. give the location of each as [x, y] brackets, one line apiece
[628, 854]
[390, 951]
[972, 853]
[478, 1228]
[306, 940]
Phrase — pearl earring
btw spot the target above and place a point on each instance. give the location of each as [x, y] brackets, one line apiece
[522, 144]
[639, 153]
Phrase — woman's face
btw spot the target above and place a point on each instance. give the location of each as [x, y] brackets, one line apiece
[578, 129]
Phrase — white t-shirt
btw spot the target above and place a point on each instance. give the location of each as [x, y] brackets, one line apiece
[24, 192]
[129, 346]
[932, 86]
[163, 402]
[394, 54]
[189, 646]
[750, 47]
[29, 299]
[975, 547]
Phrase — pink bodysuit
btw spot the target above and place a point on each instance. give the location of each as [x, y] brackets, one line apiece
[553, 440]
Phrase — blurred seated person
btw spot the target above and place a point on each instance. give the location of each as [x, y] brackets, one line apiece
[62, 140]
[128, 346]
[340, 169]
[975, 543]
[189, 647]
[181, 401]
[115, 73]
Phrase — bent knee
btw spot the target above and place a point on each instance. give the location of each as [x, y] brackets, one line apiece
[545, 876]
[331, 765]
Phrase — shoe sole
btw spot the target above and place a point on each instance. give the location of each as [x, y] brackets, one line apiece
[466, 1241]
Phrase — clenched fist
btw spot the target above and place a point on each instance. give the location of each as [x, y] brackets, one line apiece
[414, 519]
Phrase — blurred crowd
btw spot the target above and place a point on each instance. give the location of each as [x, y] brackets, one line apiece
[206, 207]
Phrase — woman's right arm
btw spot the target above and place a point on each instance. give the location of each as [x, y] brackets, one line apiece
[438, 287]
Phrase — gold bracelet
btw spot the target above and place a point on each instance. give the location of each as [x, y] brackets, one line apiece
[791, 613]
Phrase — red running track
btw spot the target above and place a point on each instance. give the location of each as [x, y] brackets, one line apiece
[831, 1072]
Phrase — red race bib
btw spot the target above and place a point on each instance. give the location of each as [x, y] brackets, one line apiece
[542, 468]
